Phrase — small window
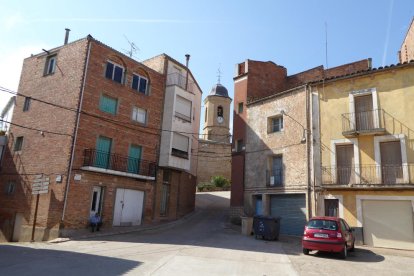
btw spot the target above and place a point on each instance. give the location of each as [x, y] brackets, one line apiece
[139, 115]
[140, 83]
[50, 65]
[275, 124]
[205, 115]
[18, 144]
[108, 104]
[114, 72]
[240, 108]
[220, 111]
[239, 145]
[10, 188]
[180, 146]
[183, 108]
[26, 105]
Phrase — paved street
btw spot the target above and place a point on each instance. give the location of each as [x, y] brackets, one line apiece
[204, 244]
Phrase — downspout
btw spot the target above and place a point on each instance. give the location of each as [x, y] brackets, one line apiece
[308, 154]
[76, 130]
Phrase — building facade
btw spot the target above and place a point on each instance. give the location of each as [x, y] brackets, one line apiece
[365, 154]
[406, 52]
[214, 146]
[90, 143]
[178, 161]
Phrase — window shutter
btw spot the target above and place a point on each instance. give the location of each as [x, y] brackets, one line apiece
[183, 107]
[180, 142]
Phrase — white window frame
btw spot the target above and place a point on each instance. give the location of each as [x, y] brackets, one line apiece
[377, 153]
[136, 112]
[113, 71]
[345, 141]
[340, 199]
[139, 80]
[364, 92]
[270, 122]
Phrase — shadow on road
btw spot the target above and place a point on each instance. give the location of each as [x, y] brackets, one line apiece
[14, 260]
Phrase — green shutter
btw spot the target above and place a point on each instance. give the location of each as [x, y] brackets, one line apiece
[134, 158]
[107, 104]
[103, 152]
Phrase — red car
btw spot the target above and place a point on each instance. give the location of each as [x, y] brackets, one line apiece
[329, 234]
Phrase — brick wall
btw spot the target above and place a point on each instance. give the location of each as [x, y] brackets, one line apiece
[406, 52]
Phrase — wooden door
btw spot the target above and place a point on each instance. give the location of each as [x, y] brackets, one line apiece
[345, 170]
[391, 162]
[363, 113]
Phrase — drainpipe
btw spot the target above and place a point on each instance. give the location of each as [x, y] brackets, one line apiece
[309, 141]
[85, 69]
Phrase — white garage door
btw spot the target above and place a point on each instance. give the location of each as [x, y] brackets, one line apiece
[128, 207]
[388, 223]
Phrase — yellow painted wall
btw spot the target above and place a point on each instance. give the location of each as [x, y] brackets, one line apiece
[349, 200]
[395, 89]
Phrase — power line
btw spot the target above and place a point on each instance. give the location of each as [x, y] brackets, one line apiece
[103, 118]
[36, 129]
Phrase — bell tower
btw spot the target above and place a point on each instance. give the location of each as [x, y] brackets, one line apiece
[217, 115]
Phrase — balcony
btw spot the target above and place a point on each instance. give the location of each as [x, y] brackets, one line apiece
[181, 81]
[363, 123]
[368, 175]
[274, 178]
[98, 161]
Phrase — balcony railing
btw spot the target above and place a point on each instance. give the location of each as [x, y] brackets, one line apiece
[368, 175]
[115, 162]
[274, 178]
[366, 122]
[181, 81]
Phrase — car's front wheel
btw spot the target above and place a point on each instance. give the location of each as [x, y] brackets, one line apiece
[305, 251]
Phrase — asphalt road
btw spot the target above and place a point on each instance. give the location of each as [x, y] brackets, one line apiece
[205, 244]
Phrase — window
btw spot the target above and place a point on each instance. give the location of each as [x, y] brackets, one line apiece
[275, 124]
[139, 115]
[331, 207]
[18, 144]
[183, 108]
[180, 145]
[50, 65]
[220, 111]
[239, 145]
[139, 83]
[134, 159]
[114, 72]
[205, 115]
[108, 104]
[240, 108]
[276, 171]
[26, 105]
[10, 188]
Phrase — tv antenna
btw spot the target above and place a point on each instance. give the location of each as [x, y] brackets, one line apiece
[132, 48]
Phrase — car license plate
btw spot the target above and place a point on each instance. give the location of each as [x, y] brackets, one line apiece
[319, 235]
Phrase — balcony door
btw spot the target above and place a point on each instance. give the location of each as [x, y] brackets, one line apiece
[345, 168]
[364, 113]
[103, 150]
[277, 171]
[391, 162]
[134, 158]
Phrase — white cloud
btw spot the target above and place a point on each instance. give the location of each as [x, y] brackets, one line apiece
[11, 66]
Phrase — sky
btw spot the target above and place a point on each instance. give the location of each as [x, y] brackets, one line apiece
[217, 34]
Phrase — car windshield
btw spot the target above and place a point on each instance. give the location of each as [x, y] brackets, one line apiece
[322, 224]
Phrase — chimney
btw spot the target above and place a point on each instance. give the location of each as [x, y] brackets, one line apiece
[187, 59]
[66, 36]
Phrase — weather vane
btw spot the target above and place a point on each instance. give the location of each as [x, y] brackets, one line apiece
[218, 75]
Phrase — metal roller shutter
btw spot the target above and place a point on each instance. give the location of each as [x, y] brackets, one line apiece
[292, 209]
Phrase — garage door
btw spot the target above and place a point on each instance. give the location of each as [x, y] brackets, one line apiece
[388, 223]
[292, 210]
[128, 207]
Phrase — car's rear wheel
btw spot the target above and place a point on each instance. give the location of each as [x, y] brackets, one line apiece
[305, 251]
[344, 252]
[352, 249]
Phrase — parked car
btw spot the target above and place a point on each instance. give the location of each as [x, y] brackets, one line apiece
[329, 234]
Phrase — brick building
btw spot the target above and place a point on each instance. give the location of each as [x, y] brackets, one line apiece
[271, 172]
[406, 52]
[91, 132]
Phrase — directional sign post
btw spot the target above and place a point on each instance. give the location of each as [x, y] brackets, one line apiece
[40, 186]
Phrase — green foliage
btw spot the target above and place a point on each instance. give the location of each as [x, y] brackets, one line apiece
[205, 187]
[220, 181]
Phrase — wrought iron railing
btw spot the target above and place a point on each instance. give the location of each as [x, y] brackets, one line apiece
[104, 160]
[368, 174]
[366, 121]
[274, 178]
[181, 81]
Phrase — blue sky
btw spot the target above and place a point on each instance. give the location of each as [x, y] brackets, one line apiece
[217, 34]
